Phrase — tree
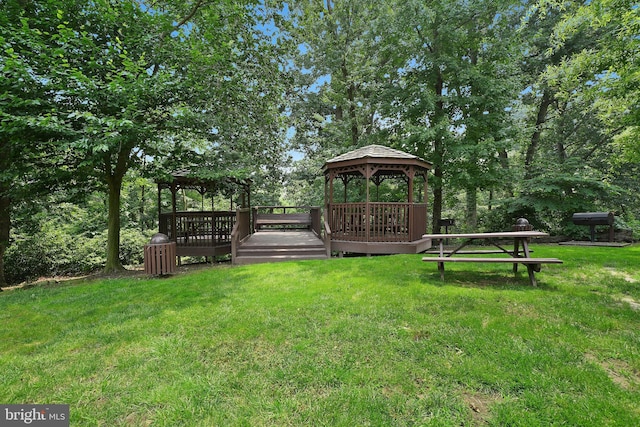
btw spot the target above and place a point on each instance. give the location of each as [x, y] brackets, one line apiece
[333, 96]
[607, 67]
[113, 85]
[137, 87]
[31, 120]
[574, 119]
[120, 100]
[449, 89]
[338, 74]
[540, 91]
[483, 91]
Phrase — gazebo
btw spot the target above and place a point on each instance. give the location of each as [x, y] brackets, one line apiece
[357, 220]
[201, 233]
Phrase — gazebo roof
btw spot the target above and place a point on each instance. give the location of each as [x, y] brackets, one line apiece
[186, 178]
[376, 154]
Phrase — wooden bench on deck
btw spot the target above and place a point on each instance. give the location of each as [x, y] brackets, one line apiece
[283, 220]
[517, 255]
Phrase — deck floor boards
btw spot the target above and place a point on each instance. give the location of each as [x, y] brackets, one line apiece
[282, 238]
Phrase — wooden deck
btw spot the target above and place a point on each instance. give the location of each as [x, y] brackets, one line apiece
[274, 246]
[386, 229]
[282, 238]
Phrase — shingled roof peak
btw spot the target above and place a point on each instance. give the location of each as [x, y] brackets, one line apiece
[374, 151]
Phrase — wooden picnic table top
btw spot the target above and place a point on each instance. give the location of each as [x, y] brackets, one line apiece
[494, 235]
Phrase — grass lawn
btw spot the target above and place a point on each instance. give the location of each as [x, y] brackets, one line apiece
[346, 342]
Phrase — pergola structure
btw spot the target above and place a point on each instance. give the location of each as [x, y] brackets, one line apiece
[200, 233]
[370, 226]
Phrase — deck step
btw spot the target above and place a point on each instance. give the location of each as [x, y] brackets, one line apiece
[273, 246]
[254, 255]
[280, 247]
[258, 259]
[281, 251]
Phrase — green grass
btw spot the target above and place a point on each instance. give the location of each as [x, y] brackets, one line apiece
[353, 341]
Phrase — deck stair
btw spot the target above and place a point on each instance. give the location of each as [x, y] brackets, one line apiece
[275, 246]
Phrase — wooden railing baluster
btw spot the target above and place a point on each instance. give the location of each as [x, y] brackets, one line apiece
[388, 222]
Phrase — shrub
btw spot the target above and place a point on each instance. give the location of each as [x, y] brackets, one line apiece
[53, 253]
[132, 243]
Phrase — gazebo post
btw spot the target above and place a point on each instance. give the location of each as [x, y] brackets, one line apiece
[326, 196]
[367, 220]
[174, 231]
[246, 196]
[174, 201]
[213, 219]
[411, 176]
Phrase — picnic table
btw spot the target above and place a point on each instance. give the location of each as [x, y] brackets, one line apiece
[521, 254]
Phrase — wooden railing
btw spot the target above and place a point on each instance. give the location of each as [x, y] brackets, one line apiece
[326, 237]
[377, 222]
[418, 221]
[198, 229]
[316, 221]
[241, 230]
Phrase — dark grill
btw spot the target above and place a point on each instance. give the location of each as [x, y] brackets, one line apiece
[595, 218]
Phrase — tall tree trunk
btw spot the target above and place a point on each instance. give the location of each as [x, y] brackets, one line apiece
[351, 92]
[5, 228]
[474, 116]
[113, 226]
[351, 99]
[472, 208]
[5, 209]
[438, 157]
[114, 175]
[436, 213]
[546, 101]
[562, 152]
[143, 222]
[503, 158]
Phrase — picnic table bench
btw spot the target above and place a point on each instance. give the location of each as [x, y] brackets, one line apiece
[517, 255]
[283, 220]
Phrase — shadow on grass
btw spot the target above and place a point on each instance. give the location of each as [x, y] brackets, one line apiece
[403, 270]
[129, 296]
[486, 280]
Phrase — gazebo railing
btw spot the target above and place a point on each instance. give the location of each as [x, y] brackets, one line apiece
[377, 222]
[198, 229]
